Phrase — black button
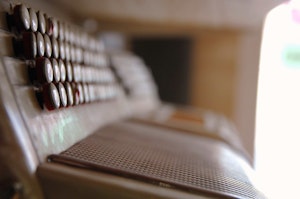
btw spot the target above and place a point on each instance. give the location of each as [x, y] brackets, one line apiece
[51, 96]
[27, 47]
[40, 44]
[44, 70]
[69, 70]
[22, 17]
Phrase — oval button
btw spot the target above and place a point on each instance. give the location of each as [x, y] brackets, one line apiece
[56, 70]
[61, 30]
[53, 25]
[29, 45]
[76, 95]
[40, 44]
[22, 17]
[44, 70]
[48, 46]
[78, 55]
[67, 51]
[41, 22]
[55, 48]
[33, 20]
[69, 70]
[73, 53]
[62, 50]
[63, 95]
[81, 93]
[86, 93]
[62, 69]
[69, 91]
[67, 33]
[51, 96]
[77, 73]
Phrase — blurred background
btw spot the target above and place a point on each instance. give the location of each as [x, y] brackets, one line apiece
[203, 53]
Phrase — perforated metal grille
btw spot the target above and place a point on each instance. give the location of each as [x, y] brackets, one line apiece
[164, 157]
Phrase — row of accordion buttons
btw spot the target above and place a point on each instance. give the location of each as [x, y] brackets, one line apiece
[27, 19]
[31, 45]
[59, 95]
[48, 70]
[67, 66]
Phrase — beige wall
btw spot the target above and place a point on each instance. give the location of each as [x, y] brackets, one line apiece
[246, 85]
[224, 76]
[213, 75]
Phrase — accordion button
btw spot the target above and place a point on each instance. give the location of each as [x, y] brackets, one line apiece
[29, 45]
[83, 74]
[41, 22]
[81, 93]
[86, 93]
[49, 25]
[69, 92]
[48, 46]
[63, 95]
[53, 27]
[87, 74]
[77, 73]
[40, 44]
[71, 35]
[44, 70]
[22, 17]
[67, 32]
[56, 70]
[61, 31]
[73, 53]
[78, 55]
[69, 72]
[62, 70]
[51, 96]
[62, 51]
[92, 93]
[67, 51]
[100, 46]
[55, 48]
[33, 20]
[76, 95]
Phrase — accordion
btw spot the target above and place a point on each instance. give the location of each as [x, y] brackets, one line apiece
[78, 121]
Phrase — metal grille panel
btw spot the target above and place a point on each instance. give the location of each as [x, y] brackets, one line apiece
[167, 158]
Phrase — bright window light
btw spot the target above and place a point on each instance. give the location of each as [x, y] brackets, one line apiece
[277, 143]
